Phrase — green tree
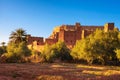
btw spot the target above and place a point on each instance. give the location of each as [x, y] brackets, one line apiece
[98, 46]
[18, 35]
[118, 53]
[17, 52]
[3, 48]
[56, 51]
[1, 51]
[47, 53]
[62, 51]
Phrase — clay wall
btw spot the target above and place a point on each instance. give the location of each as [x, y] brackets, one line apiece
[92, 28]
[78, 33]
[86, 33]
[69, 34]
[31, 39]
[50, 41]
[108, 26]
[70, 37]
[61, 34]
[36, 47]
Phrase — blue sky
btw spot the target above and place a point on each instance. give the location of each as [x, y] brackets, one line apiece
[39, 17]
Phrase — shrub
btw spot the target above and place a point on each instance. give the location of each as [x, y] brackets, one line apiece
[36, 57]
[3, 50]
[56, 51]
[17, 52]
[118, 53]
[98, 47]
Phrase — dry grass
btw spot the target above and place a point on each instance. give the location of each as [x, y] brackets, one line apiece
[57, 71]
[49, 77]
[102, 73]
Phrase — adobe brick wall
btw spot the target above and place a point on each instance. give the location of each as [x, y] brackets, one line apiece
[108, 26]
[31, 39]
[69, 34]
[50, 41]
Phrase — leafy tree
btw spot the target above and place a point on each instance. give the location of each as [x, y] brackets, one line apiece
[17, 52]
[18, 35]
[3, 48]
[118, 53]
[98, 46]
[47, 53]
[62, 51]
[1, 51]
[56, 51]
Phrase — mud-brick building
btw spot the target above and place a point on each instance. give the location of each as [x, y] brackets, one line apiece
[68, 34]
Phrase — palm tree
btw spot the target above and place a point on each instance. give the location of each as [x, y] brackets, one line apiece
[18, 35]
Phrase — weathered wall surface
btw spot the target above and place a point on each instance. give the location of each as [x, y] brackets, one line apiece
[67, 33]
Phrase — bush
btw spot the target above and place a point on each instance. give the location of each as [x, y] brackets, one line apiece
[17, 52]
[99, 47]
[36, 57]
[48, 53]
[56, 51]
[3, 50]
[118, 53]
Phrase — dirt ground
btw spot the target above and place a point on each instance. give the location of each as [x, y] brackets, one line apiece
[57, 71]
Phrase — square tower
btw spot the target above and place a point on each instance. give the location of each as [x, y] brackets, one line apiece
[108, 26]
